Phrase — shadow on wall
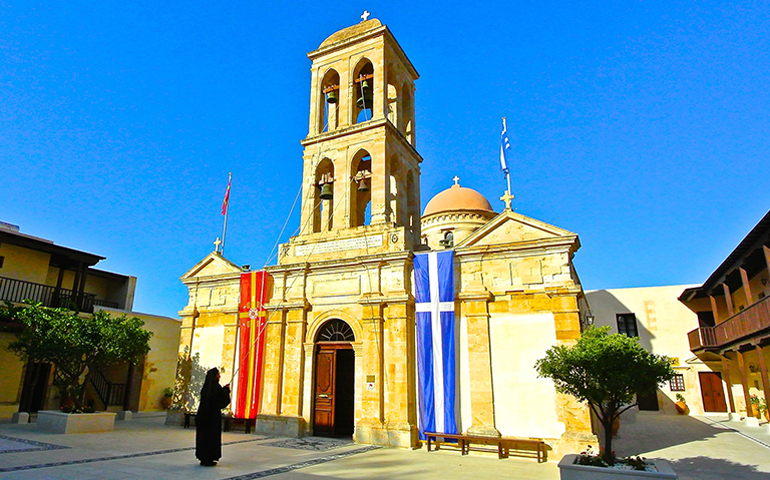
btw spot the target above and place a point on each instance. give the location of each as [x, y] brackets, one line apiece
[605, 306]
[190, 375]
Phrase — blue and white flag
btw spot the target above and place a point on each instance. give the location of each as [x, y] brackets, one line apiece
[505, 145]
[436, 352]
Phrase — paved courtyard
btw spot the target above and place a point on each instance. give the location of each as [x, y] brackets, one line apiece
[698, 447]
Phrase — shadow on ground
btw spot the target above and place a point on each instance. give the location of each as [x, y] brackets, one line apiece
[657, 431]
[707, 468]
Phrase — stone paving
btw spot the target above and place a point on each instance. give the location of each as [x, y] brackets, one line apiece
[698, 448]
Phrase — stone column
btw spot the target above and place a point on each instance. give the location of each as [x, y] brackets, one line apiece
[475, 312]
[293, 371]
[369, 429]
[271, 384]
[398, 377]
[307, 389]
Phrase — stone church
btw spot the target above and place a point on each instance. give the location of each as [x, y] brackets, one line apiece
[339, 348]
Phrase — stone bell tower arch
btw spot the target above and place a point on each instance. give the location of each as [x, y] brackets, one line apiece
[361, 168]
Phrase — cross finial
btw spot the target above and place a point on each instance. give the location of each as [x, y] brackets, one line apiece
[507, 199]
[365, 16]
[456, 179]
[217, 243]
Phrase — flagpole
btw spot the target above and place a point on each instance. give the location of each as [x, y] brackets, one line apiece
[227, 210]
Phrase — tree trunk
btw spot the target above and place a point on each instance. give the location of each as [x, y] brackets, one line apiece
[607, 455]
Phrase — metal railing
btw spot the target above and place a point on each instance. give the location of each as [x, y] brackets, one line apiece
[106, 303]
[109, 393]
[17, 291]
[746, 323]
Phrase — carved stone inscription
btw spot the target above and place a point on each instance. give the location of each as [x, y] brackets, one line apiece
[338, 245]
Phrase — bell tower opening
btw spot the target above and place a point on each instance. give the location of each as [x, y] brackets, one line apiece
[360, 189]
[323, 207]
[329, 108]
[363, 86]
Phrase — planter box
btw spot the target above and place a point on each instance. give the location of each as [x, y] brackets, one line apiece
[571, 471]
[59, 422]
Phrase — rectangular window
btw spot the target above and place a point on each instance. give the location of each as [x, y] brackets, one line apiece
[627, 324]
[676, 384]
[1, 261]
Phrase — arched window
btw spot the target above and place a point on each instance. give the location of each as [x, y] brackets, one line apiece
[335, 331]
[323, 202]
[397, 195]
[412, 206]
[406, 122]
[392, 107]
[360, 189]
[363, 91]
[449, 240]
[329, 102]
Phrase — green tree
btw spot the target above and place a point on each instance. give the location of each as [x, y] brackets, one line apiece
[606, 371]
[76, 344]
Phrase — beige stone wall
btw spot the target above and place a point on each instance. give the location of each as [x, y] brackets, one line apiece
[518, 300]
[12, 379]
[24, 264]
[662, 322]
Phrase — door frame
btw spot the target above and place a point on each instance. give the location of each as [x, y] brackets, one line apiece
[326, 347]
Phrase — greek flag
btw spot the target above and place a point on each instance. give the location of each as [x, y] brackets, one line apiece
[436, 357]
[505, 145]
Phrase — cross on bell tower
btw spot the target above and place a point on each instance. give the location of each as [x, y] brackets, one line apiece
[361, 168]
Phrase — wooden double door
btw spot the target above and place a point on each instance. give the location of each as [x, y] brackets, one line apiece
[333, 393]
[712, 392]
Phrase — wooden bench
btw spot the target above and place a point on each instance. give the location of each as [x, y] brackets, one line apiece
[227, 422]
[504, 444]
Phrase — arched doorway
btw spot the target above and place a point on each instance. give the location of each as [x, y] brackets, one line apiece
[334, 385]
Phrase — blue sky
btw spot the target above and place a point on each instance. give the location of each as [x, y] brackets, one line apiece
[642, 126]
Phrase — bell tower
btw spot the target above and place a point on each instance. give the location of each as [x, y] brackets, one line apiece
[361, 170]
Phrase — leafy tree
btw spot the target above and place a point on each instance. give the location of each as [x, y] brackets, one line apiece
[74, 343]
[606, 371]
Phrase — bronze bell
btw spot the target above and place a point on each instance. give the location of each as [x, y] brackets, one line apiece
[365, 100]
[326, 191]
[331, 97]
[362, 186]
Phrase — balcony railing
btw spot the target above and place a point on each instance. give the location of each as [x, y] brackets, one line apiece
[746, 323]
[12, 290]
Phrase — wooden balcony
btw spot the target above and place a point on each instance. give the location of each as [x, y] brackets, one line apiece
[16, 291]
[748, 323]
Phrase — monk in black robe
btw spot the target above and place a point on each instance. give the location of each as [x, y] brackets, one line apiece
[208, 421]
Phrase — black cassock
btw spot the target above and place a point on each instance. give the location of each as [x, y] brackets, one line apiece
[208, 421]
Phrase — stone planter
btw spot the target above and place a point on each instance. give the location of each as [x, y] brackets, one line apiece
[568, 470]
[59, 422]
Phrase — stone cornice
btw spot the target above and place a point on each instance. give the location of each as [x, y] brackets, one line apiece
[344, 264]
[565, 243]
[372, 124]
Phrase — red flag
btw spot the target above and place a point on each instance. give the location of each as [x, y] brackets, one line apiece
[256, 289]
[227, 195]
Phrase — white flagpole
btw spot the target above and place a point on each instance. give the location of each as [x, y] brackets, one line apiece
[227, 210]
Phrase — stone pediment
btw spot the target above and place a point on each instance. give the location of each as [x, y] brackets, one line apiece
[512, 227]
[211, 265]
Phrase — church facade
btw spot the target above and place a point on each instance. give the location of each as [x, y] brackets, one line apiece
[340, 349]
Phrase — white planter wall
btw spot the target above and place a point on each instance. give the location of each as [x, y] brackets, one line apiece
[571, 471]
[59, 422]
